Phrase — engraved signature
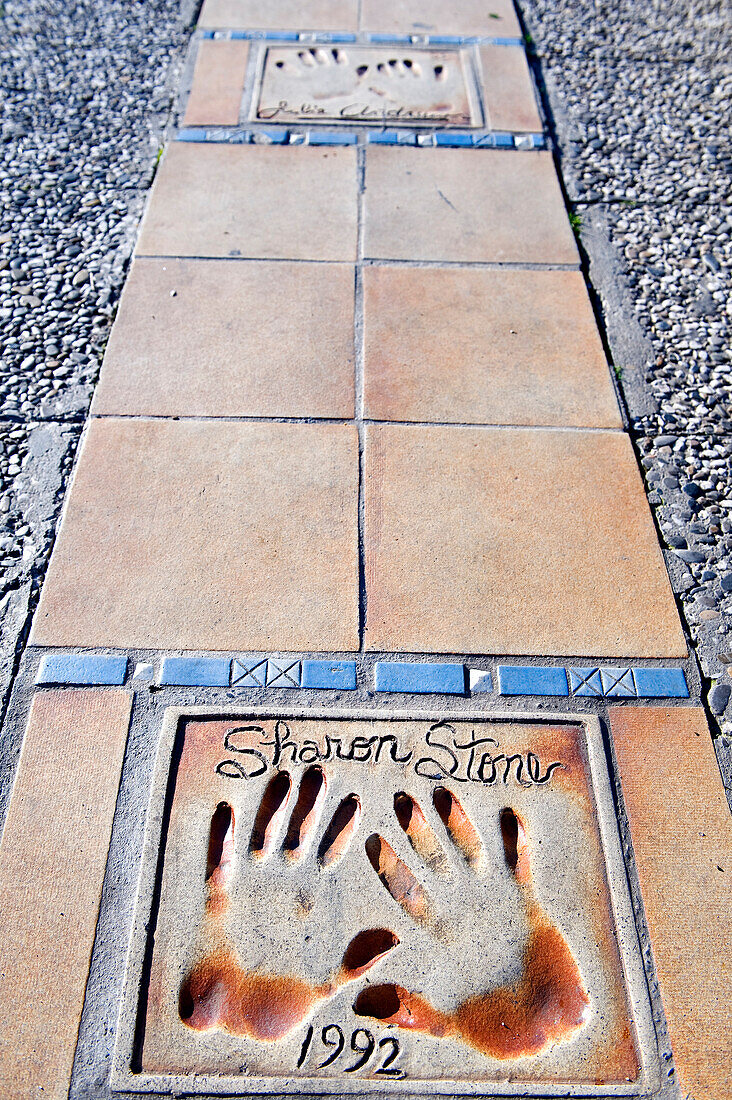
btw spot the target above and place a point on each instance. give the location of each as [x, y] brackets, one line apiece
[358, 112]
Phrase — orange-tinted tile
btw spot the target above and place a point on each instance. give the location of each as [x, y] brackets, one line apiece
[465, 205]
[218, 83]
[280, 15]
[512, 540]
[509, 93]
[221, 338]
[496, 18]
[682, 839]
[478, 346]
[252, 202]
[52, 860]
[207, 535]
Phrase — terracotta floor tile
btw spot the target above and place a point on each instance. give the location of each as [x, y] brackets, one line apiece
[52, 860]
[465, 205]
[253, 202]
[218, 83]
[682, 839]
[478, 346]
[280, 15]
[513, 540]
[223, 338]
[509, 92]
[207, 535]
[496, 18]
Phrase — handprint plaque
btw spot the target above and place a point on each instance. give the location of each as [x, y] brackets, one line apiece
[353, 903]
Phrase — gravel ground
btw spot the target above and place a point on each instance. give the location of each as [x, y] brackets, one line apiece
[87, 89]
[640, 103]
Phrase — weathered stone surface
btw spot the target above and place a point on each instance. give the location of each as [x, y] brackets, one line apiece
[220, 338]
[218, 83]
[477, 346]
[280, 15]
[330, 872]
[52, 858]
[509, 93]
[252, 202]
[433, 17]
[682, 839]
[491, 540]
[207, 535]
[465, 205]
[393, 85]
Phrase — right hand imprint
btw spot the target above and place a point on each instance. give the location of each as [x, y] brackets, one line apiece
[548, 1002]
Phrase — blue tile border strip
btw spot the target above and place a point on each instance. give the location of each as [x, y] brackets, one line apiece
[420, 678]
[329, 674]
[593, 682]
[94, 669]
[480, 139]
[194, 672]
[532, 680]
[424, 40]
[329, 137]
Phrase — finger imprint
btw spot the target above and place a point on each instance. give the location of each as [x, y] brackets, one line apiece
[270, 815]
[420, 835]
[516, 845]
[459, 827]
[306, 813]
[340, 832]
[399, 880]
[220, 857]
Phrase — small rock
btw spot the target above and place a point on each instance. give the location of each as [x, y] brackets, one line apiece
[719, 697]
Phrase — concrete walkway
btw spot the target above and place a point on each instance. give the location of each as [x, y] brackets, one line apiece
[356, 440]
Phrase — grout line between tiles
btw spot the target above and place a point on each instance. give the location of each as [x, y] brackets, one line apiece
[359, 419]
[370, 261]
[358, 337]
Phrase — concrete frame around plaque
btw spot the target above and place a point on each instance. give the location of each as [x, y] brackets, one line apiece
[446, 904]
[371, 85]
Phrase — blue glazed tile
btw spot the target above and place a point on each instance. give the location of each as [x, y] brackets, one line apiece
[391, 137]
[401, 39]
[453, 139]
[326, 36]
[329, 674]
[669, 683]
[506, 41]
[207, 34]
[329, 138]
[422, 678]
[283, 674]
[585, 681]
[281, 36]
[249, 673]
[192, 133]
[195, 671]
[445, 40]
[532, 680]
[618, 683]
[81, 668]
[272, 137]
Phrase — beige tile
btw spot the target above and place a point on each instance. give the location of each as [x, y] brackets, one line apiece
[478, 346]
[222, 338]
[254, 202]
[207, 535]
[682, 839]
[465, 205]
[52, 860]
[512, 540]
[282, 15]
[218, 83]
[509, 93]
[496, 18]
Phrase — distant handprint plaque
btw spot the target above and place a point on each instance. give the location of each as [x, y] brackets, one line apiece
[418, 904]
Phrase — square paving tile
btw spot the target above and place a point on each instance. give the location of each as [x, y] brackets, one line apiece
[224, 338]
[207, 535]
[682, 841]
[52, 860]
[280, 15]
[509, 92]
[253, 202]
[495, 18]
[218, 83]
[478, 346]
[512, 540]
[465, 205]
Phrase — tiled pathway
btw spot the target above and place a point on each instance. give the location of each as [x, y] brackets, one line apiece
[355, 439]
